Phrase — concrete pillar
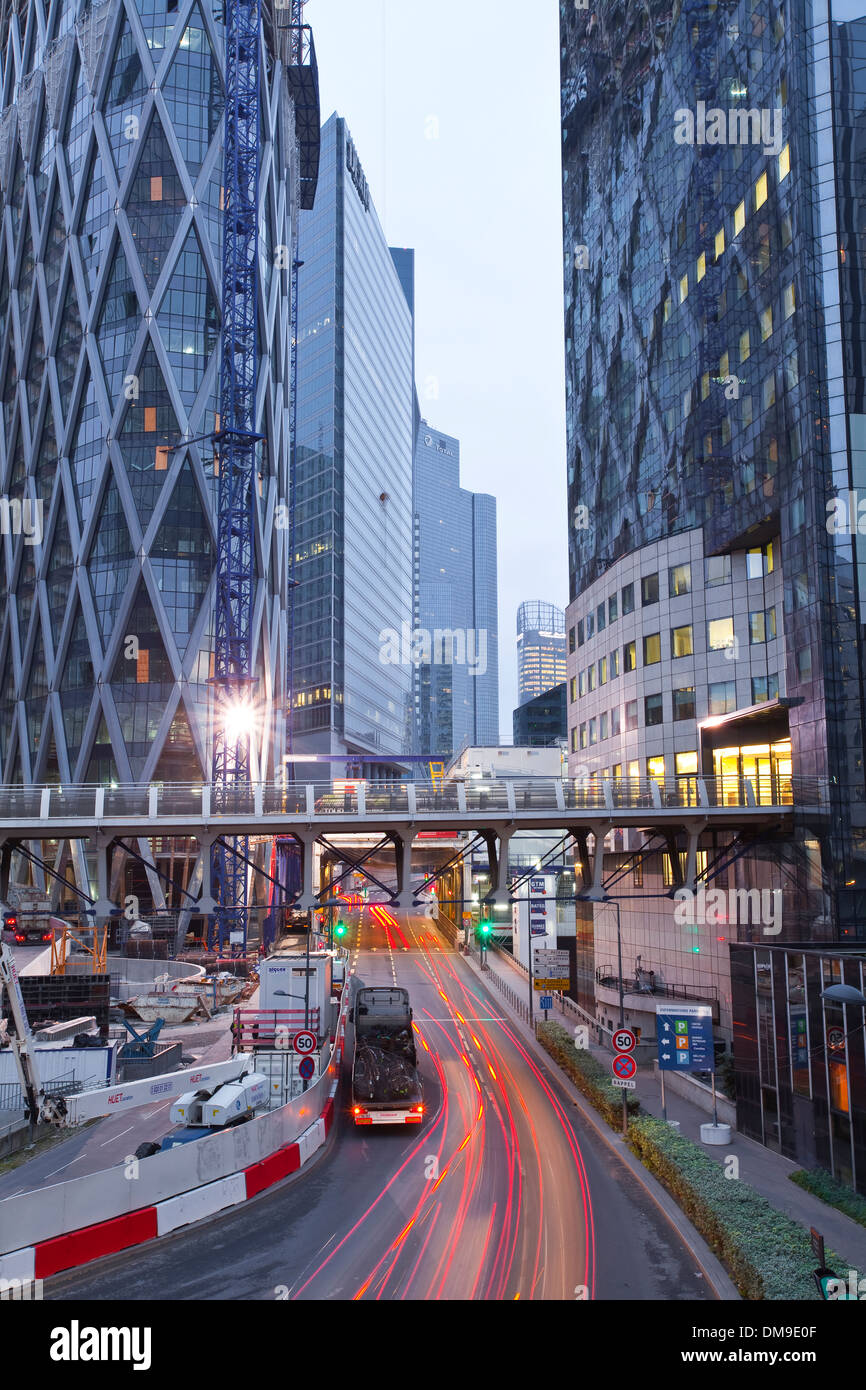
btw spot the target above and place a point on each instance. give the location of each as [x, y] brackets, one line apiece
[404, 899]
[497, 853]
[103, 907]
[204, 864]
[308, 901]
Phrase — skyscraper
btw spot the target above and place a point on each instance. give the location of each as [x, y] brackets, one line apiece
[715, 399]
[457, 674]
[111, 172]
[540, 649]
[354, 477]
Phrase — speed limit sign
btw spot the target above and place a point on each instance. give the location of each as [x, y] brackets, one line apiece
[305, 1043]
[624, 1040]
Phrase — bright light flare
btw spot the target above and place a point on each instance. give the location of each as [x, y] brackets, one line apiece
[239, 721]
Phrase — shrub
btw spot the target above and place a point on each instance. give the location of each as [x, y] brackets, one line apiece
[830, 1190]
[588, 1075]
[767, 1254]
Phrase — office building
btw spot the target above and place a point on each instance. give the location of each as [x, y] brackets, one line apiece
[716, 440]
[456, 624]
[542, 722]
[111, 171]
[540, 649]
[352, 677]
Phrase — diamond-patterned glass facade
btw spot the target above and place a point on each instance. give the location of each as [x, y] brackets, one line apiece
[110, 263]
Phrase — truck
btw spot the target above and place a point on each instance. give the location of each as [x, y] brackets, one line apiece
[386, 1087]
[27, 918]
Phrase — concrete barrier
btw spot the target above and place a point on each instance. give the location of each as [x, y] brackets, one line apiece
[203, 1201]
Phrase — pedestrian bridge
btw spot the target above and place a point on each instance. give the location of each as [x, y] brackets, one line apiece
[250, 809]
[493, 809]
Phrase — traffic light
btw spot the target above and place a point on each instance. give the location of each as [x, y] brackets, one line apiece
[484, 928]
[340, 929]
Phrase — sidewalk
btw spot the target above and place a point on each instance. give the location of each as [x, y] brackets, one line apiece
[767, 1172]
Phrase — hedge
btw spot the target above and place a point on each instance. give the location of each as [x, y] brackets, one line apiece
[822, 1184]
[588, 1075]
[767, 1254]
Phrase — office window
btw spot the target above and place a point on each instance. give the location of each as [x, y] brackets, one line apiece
[679, 580]
[583, 743]
[590, 676]
[615, 721]
[701, 269]
[720, 243]
[745, 346]
[602, 671]
[593, 732]
[653, 710]
[681, 641]
[614, 663]
[720, 634]
[655, 769]
[723, 697]
[684, 287]
[760, 560]
[590, 625]
[788, 304]
[572, 689]
[649, 589]
[768, 391]
[766, 319]
[616, 772]
[631, 715]
[602, 727]
[684, 702]
[580, 637]
[764, 688]
[611, 609]
[739, 217]
[574, 739]
[784, 163]
[637, 871]
[757, 628]
[628, 598]
[629, 656]
[686, 764]
[652, 648]
[600, 623]
[718, 570]
[761, 192]
[582, 683]
[571, 643]
[804, 664]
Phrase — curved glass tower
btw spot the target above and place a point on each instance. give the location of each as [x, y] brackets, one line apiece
[111, 173]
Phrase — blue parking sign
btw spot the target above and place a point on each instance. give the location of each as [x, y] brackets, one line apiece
[546, 1001]
[685, 1037]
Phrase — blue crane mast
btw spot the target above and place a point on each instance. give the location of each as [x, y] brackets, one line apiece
[237, 442]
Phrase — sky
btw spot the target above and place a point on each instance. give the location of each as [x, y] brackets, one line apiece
[454, 111]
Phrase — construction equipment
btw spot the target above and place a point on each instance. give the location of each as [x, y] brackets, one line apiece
[92, 941]
[22, 1043]
[140, 1046]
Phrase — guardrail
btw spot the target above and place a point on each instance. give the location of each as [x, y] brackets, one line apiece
[317, 800]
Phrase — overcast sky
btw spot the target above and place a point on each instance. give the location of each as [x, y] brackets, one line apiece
[454, 110]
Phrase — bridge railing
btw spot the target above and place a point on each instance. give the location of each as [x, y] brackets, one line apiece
[406, 799]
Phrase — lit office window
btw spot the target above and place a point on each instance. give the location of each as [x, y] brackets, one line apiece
[686, 764]
[720, 242]
[682, 643]
[788, 304]
[739, 218]
[629, 656]
[720, 634]
[784, 163]
[684, 288]
[679, 580]
[652, 649]
[702, 267]
[745, 346]
[761, 192]
[766, 318]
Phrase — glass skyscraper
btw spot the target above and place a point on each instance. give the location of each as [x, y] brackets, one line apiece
[540, 649]
[717, 438]
[353, 515]
[111, 171]
[457, 674]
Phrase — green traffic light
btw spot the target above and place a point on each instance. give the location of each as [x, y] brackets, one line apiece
[485, 928]
[340, 930]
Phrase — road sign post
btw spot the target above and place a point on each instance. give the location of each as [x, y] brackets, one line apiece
[684, 1034]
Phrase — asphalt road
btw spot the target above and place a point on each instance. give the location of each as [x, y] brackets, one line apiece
[503, 1192]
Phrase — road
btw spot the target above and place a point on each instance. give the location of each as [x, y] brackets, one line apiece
[504, 1193]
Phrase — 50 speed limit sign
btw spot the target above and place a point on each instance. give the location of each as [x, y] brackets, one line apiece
[305, 1043]
[624, 1040]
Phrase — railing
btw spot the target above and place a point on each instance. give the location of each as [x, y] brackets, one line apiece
[516, 1004]
[405, 799]
[276, 1028]
[707, 994]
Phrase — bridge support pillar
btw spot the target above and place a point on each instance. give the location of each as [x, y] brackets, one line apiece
[497, 842]
[404, 898]
[103, 907]
[206, 903]
[308, 901]
[689, 877]
[5, 865]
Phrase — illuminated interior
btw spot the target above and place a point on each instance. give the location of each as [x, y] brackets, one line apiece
[767, 766]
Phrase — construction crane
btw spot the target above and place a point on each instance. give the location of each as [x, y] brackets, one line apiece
[237, 442]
